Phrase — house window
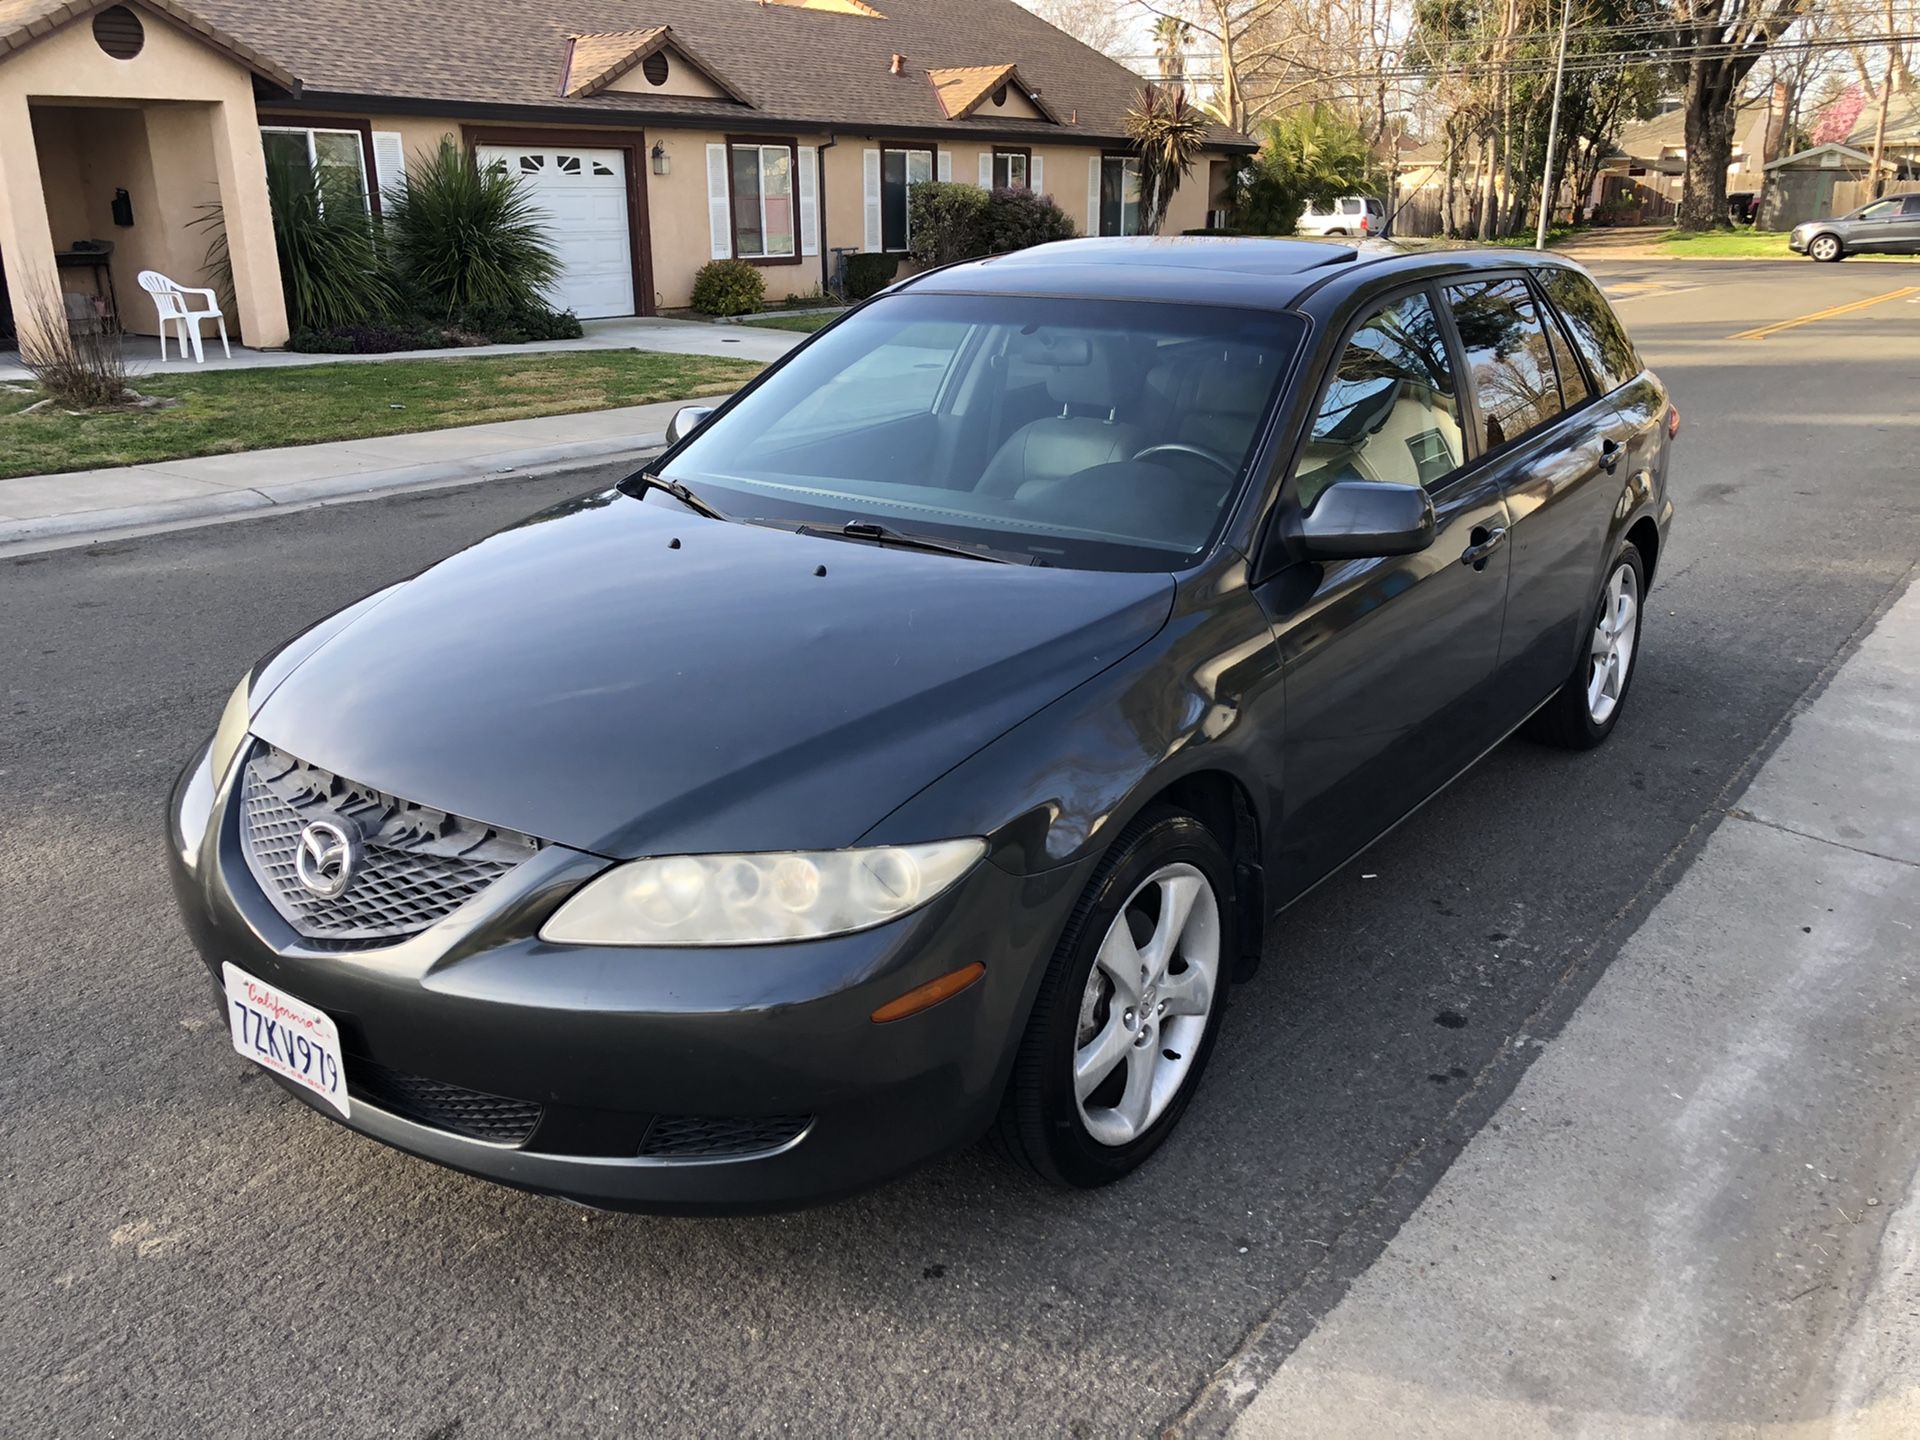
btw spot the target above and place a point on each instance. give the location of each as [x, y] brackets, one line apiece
[1010, 168]
[1120, 195]
[899, 170]
[763, 217]
[336, 158]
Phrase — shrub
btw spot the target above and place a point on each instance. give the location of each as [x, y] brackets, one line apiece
[77, 367]
[728, 287]
[1311, 154]
[1017, 218]
[948, 221]
[465, 238]
[331, 269]
[517, 324]
[869, 273]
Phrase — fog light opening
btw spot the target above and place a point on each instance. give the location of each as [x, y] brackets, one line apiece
[924, 997]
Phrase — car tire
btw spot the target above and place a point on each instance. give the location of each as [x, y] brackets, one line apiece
[1338, 230]
[1585, 709]
[1826, 248]
[1142, 1050]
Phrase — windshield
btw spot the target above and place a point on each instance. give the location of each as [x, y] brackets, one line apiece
[1087, 433]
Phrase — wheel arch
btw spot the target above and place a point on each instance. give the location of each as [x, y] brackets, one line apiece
[1644, 536]
[1222, 802]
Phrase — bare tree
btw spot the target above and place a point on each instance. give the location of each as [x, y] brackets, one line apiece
[1101, 24]
[1721, 40]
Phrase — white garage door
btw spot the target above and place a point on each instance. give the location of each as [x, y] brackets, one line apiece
[584, 196]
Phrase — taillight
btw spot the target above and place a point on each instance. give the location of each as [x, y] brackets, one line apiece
[1673, 421]
[1365, 221]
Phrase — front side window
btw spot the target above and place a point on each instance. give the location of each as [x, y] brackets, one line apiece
[1010, 168]
[335, 158]
[900, 170]
[1508, 358]
[1880, 210]
[1119, 195]
[1390, 412]
[1092, 434]
[763, 225]
[1596, 330]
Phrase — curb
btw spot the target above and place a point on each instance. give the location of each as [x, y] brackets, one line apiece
[52, 530]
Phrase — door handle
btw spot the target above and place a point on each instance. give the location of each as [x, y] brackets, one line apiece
[1609, 455]
[1485, 541]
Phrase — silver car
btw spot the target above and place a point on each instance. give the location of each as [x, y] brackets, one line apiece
[1888, 226]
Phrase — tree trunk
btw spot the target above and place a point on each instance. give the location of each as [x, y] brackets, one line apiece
[1450, 175]
[1703, 195]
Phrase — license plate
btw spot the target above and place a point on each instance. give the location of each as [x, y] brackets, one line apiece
[286, 1035]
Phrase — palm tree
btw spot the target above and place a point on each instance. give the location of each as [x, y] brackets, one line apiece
[1167, 133]
[1171, 36]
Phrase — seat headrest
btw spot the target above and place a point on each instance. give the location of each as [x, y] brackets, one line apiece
[1079, 368]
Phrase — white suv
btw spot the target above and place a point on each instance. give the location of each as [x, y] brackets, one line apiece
[1349, 215]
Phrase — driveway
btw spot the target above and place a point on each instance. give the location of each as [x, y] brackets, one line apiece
[188, 1251]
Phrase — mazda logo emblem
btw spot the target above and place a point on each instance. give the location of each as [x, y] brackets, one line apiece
[326, 858]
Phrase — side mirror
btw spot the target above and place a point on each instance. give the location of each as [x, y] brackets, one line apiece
[1362, 519]
[686, 420]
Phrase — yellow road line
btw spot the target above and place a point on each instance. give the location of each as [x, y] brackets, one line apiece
[1763, 331]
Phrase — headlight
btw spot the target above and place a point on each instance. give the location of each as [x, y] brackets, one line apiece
[758, 899]
[231, 732]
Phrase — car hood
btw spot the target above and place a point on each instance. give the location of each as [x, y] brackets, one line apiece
[628, 678]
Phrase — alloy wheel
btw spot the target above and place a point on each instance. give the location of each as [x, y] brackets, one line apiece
[1611, 652]
[1825, 247]
[1144, 1012]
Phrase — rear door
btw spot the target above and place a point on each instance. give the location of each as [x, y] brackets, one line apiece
[1550, 443]
[1388, 662]
[1907, 228]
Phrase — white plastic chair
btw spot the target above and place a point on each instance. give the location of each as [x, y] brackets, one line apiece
[170, 300]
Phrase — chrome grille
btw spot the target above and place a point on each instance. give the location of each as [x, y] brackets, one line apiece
[417, 865]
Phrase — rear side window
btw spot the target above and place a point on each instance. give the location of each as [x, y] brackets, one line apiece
[1595, 328]
[1390, 412]
[1508, 357]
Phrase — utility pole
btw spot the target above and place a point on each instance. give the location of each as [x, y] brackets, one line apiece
[1874, 183]
[1553, 127]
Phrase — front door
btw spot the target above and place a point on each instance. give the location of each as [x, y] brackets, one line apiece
[582, 197]
[1388, 664]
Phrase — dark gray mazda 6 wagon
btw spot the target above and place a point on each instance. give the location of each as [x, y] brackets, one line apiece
[923, 745]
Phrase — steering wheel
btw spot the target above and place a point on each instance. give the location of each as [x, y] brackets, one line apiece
[1198, 452]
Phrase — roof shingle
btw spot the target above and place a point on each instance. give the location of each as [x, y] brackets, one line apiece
[816, 67]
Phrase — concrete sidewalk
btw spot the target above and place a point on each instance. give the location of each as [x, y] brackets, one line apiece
[39, 510]
[1697, 1214]
[633, 332]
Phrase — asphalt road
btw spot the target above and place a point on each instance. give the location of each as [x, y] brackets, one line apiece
[186, 1250]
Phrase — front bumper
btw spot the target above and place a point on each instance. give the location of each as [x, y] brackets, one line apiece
[607, 1046]
[1797, 242]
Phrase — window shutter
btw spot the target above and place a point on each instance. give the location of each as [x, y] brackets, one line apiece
[986, 169]
[809, 205]
[946, 165]
[1093, 196]
[1036, 181]
[870, 166]
[719, 211]
[389, 160]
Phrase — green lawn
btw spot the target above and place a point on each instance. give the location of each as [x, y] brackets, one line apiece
[806, 323]
[1725, 244]
[224, 411]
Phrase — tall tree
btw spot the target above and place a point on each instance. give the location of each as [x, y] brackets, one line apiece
[1099, 24]
[1171, 36]
[1720, 41]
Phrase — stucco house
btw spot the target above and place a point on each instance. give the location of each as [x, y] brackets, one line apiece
[658, 134]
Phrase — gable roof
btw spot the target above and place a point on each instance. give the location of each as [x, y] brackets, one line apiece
[1831, 147]
[964, 90]
[596, 61]
[1903, 121]
[797, 67]
[24, 21]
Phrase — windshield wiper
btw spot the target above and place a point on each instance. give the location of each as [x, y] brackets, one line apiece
[647, 480]
[878, 534]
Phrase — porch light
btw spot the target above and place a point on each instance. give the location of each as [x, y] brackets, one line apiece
[661, 164]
